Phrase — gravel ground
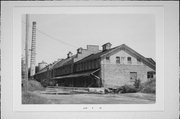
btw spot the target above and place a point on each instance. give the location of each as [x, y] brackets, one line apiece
[133, 98]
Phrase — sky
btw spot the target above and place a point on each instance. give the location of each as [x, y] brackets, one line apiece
[57, 34]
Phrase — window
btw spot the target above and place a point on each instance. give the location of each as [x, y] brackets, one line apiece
[81, 66]
[78, 67]
[90, 64]
[118, 60]
[150, 74]
[107, 58]
[138, 61]
[96, 63]
[93, 64]
[85, 66]
[129, 60]
[122, 60]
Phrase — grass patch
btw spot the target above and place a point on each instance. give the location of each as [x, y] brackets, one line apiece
[30, 98]
[145, 96]
[128, 89]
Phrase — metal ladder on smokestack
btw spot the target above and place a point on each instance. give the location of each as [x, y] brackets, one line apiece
[33, 50]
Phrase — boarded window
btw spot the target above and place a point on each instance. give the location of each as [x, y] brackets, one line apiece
[118, 60]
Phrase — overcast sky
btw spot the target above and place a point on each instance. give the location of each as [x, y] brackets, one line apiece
[59, 34]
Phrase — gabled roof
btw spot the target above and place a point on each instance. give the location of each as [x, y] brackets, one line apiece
[149, 62]
[133, 53]
[44, 69]
[54, 65]
[63, 62]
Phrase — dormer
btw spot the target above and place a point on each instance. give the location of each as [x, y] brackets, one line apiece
[69, 54]
[79, 50]
[106, 46]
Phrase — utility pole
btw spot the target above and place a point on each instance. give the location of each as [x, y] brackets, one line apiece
[26, 53]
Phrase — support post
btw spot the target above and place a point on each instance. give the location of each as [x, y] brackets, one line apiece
[26, 53]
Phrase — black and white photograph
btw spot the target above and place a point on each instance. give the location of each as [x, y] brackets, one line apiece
[88, 59]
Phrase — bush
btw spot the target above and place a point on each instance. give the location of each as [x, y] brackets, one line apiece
[149, 86]
[30, 98]
[129, 89]
[122, 89]
[48, 82]
[137, 83]
[33, 85]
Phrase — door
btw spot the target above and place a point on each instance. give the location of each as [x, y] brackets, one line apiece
[133, 76]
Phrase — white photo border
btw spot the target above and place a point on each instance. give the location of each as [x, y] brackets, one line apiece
[158, 11]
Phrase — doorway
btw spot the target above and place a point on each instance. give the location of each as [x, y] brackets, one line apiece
[133, 76]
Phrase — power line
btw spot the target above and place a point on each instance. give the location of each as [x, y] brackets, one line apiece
[51, 37]
[55, 38]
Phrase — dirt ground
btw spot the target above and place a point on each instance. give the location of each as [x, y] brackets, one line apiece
[129, 98]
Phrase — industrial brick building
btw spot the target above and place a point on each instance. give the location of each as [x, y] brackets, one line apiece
[91, 67]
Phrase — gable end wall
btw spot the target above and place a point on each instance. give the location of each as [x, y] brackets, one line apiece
[113, 74]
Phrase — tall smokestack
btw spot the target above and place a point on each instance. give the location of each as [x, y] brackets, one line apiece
[33, 50]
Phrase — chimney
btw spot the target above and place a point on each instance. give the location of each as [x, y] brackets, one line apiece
[79, 50]
[59, 59]
[41, 65]
[69, 54]
[106, 46]
[94, 48]
[33, 50]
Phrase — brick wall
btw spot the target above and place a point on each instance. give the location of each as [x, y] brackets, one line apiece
[118, 75]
